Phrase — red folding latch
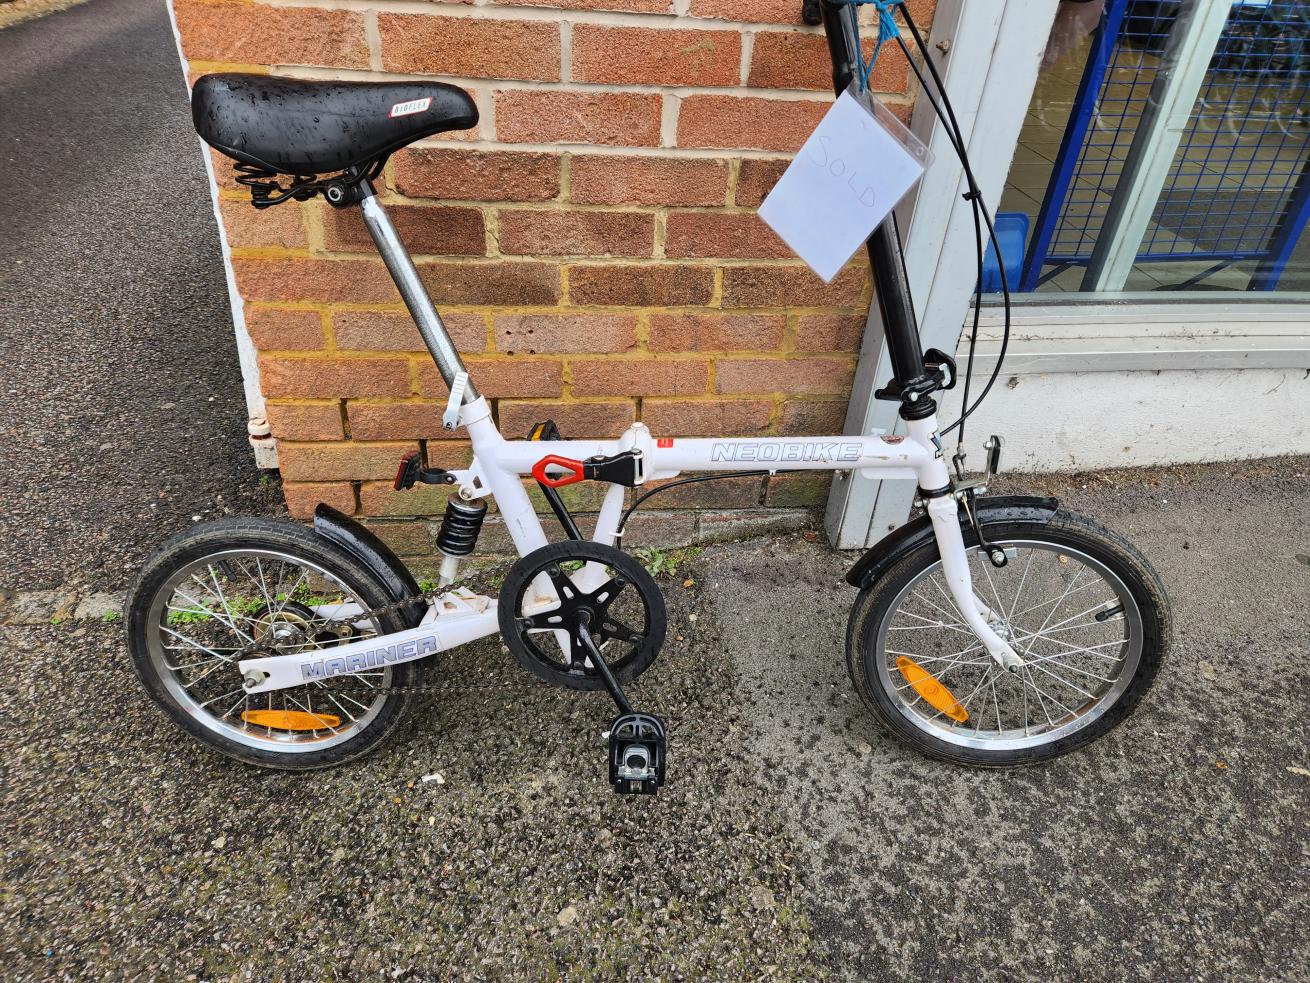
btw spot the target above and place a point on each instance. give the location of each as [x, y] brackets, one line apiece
[574, 471]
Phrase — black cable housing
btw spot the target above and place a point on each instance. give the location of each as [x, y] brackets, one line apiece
[945, 112]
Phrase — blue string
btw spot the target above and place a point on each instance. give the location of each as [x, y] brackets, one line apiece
[887, 31]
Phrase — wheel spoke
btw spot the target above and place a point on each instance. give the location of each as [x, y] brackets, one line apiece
[214, 611]
[1072, 669]
[1009, 615]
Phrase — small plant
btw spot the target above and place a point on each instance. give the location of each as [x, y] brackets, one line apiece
[111, 617]
[665, 562]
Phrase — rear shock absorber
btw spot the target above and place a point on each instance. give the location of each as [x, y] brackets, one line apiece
[458, 535]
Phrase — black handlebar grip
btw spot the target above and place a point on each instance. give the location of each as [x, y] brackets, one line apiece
[810, 12]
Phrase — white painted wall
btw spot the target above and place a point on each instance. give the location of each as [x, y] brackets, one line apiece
[1083, 420]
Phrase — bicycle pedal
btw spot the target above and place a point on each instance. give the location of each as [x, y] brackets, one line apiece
[638, 745]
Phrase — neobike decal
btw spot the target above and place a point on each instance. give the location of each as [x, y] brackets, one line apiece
[787, 452]
[664, 442]
[411, 107]
[371, 659]
[895, 438]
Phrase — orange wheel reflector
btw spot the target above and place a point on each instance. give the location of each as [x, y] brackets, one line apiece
[934, 693]
[290, 719]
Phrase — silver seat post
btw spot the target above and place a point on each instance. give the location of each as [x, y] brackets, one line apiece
[411, 288]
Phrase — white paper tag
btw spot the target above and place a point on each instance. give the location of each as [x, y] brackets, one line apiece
[845, 180]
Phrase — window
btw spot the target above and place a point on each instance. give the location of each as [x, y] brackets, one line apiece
[1166, 149]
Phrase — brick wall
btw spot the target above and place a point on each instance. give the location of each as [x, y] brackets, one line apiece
[592, 244]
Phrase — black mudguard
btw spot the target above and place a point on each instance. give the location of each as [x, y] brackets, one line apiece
[368, 549]
[909, 537]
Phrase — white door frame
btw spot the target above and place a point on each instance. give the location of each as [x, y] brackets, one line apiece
[988, 53]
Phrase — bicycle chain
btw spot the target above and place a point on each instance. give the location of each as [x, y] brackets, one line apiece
[423, 597]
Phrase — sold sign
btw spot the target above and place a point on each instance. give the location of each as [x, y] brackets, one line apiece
[846, 179]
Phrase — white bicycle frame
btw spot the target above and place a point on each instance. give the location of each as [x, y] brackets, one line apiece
[499, 465]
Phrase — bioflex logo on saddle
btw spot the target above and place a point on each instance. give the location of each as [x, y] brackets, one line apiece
[411, 107]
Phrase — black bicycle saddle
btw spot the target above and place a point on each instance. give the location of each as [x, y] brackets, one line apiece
[297, 127]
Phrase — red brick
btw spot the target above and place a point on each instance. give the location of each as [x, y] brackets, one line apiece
[577, 233]
[352, 281]
[727, 493]
[755, 179]
[502, 377]
[631, 6]
[716, 332]
[225, 175]
[339, 462]
[504, 284]
[830, 332]
[800, 489]
[291, 421]
[449, 454]
[803, 416]
[575, 420]
[783, 11]
[761, 12]
[750, 122]
[303, 497]
[537, 334]
[248, 33]
[381, 498]
[793, 60]
[617, 119]
[785, 375]
[639, 377]
[477, 175]
[586, 496]
[727, 235]
[394, 331]
[247, 226]
[641, 286]
[333, 377]
[413, 538]
[273, 328]
[470, 47]
[790, 286]
[655, 56]
[433, 230]
[397, 421]
[605, 180]
[707, 417]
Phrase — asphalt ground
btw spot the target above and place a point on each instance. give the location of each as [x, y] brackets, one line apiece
[121, 409]
[795, 840]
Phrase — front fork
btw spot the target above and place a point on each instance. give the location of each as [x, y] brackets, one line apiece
[944, 512]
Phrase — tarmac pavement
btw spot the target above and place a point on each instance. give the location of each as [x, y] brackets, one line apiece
[795, 840]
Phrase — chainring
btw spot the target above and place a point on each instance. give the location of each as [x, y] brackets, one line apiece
[628, 616]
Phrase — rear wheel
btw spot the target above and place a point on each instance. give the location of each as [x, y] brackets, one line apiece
[213, 592]
[1080, 606]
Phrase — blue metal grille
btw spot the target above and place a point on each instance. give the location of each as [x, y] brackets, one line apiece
[1238, 186]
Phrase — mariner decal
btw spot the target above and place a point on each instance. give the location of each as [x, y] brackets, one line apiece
[786, 452]
[371, 659]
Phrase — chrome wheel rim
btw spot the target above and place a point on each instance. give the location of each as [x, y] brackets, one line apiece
[1072, 620]
[215, 606]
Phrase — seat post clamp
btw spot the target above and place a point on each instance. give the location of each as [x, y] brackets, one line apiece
[450, 419]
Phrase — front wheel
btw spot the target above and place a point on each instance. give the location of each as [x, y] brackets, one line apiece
[1080, 606]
